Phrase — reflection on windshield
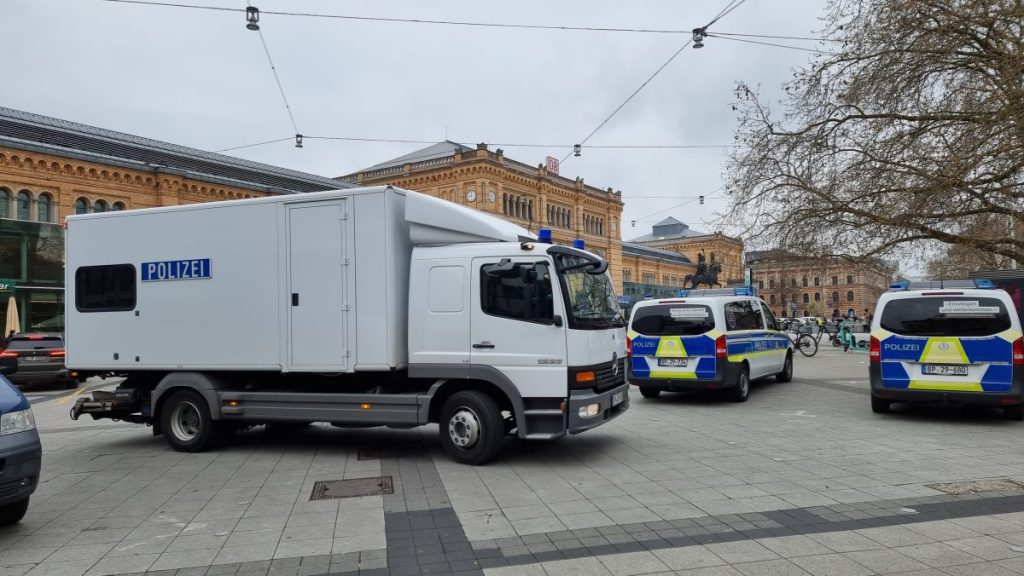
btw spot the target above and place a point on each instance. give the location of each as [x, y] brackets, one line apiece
[591, 296]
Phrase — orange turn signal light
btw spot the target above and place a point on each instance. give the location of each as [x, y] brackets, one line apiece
[588, 376]
[366, 406]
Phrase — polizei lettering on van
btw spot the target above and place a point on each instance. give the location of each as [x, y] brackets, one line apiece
[176, 270]
[903, 347]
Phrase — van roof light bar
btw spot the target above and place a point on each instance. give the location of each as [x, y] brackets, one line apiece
[741, 291]
[903, 285]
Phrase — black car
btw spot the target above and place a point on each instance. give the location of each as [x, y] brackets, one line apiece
[20, 451]
[40, 358]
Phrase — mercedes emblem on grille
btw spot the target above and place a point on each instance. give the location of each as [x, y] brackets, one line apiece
[615, 364]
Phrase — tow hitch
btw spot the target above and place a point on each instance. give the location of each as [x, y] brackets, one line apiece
[121, 404]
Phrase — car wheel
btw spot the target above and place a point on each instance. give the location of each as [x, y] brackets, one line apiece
[648, 392]
[741, 391]
[787, 370]
[186, 422]
[471, 427]
[1015, 412]
[13, 513]
[70, 384]
[880, 405]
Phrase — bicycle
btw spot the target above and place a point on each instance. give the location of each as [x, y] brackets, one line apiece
[800, 336]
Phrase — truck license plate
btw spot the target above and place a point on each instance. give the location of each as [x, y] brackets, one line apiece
[944, 370]
[674, 362]
[617, 398]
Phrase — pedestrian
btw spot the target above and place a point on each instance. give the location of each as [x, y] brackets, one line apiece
[7, 340]
[868, 317]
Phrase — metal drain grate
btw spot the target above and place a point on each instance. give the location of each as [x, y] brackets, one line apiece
[978, 486]
[389, 451]
[333, 489]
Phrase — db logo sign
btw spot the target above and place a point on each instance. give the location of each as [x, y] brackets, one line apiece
[943, 346]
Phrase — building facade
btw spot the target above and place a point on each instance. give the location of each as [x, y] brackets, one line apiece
[50, 168]
[526, 195]
[650, 272]
[795, 286]
[674, 236]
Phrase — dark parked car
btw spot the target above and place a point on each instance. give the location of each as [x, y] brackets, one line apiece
[40, 359]
[20, 451]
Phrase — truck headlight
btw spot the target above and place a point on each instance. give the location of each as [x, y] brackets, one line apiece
[589, 411]
[14, 422]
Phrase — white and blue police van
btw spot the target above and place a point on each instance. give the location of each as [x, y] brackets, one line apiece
[706, 340]
[952, 342]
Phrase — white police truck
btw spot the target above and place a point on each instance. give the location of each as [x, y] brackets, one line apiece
[360, 307]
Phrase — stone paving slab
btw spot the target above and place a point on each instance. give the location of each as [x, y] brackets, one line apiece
[801, 479]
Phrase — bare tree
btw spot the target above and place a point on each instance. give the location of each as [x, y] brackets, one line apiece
[907, 131]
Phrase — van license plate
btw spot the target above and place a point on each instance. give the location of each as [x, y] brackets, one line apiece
[944, 370]
[617, 398]
[675, 362]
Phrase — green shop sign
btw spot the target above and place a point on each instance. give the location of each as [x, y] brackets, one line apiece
[7, 285]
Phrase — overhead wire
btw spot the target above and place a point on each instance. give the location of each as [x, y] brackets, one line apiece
[800, 48]
[733, 4]
[499, 144]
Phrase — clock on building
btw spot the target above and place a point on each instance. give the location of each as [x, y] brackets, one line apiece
[471, 196]
[491, 196]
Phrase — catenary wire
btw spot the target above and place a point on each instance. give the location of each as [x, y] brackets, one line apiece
[732, 5]
[503, 144]
[800, 48]
[554, 27]
[277, 79]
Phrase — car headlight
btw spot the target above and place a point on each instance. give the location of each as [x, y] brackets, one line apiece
[14, 422]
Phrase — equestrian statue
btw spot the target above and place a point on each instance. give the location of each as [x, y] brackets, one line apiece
[706, 273]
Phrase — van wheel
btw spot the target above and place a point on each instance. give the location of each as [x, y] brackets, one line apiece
[648, 392]
[787, 370]
[880, 405]
[472, 428]
[13, 513]
[186, 422]
[741, 391]
[1015, 412]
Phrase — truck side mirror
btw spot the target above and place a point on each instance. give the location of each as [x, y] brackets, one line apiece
[556, 320]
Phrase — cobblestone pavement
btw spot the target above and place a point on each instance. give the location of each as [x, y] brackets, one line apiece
[801, 479]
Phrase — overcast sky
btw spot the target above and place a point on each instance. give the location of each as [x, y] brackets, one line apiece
[199, 78]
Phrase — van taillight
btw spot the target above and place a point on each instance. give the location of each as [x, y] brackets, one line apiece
[875, 352]
[629, 346]
[721, 349]
[1018, 352]
[57, 353]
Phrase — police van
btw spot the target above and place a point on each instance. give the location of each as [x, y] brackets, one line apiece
[706, 340]
[952, 342]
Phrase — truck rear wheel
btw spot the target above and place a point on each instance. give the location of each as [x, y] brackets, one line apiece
[187, 425]
[471, 427]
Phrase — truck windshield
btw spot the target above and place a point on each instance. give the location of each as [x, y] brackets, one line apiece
[592, 303]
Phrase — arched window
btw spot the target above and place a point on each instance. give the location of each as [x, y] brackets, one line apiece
[807, 298]
[99, 206]
[5, 202]
[43, 208]
[849, 296]
[81, 206]
[627, 276]
[504, 204]
[118, 206]
[817, 296]
[24, 205]
[529, 210]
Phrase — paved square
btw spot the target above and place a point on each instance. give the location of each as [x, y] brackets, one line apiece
[801, 479]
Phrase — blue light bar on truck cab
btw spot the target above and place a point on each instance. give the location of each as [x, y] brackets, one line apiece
[741, 291]
[578, 243]
[981, 283]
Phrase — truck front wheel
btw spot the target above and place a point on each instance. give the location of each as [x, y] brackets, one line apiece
[471, 427]
[187, 425]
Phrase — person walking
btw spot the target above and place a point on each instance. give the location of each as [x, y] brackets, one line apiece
[7, 340]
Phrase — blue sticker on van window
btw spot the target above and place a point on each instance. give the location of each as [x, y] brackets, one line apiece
[176, 270]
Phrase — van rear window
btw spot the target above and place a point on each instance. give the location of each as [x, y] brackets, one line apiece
[945, 316]
[673, 320]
